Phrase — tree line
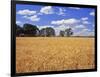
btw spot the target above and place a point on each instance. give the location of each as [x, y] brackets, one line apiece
[29, 30]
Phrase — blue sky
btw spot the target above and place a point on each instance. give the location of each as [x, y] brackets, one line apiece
[81, 20]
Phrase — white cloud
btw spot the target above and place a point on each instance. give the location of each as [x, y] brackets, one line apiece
[39, 13]
[61, 27]
[44, 26]
[74, 28]
[26, 12]
[66, 21]
[18, 22]
[85, 29]
[76, 25]
[47, 10]
[32, 18]
[84, 32]
[85, 22]
[77, 8]
[92, 13]
[61, 11]
[79, 26]
[58, 22]
[79, 30]
[84, 18]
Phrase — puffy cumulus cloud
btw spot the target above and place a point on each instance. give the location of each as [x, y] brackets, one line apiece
[79, 26]
[32, 18]
[77, 8]
[84, 18]
[47, 10]
[76, 25]
[92, 13]
[66, 21]
[85, 21]
[26, 12]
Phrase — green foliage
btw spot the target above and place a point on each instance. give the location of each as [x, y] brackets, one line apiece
[68, 32]
[62, 33]
[30, 29]
[47, 32]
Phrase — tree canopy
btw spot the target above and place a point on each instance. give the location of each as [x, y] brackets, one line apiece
[68, 32]
[30, 29]
[62, 33]
[48, 31]
[33, 30]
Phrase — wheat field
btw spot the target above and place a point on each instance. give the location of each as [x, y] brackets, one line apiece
[39, 54]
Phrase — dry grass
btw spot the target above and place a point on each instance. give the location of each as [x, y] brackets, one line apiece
[38, 54]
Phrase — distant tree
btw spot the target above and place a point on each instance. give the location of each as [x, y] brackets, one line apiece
[30, 30]
[68, 32]
[50, 31]
[47, 32]
[19, 30]
[62, 33]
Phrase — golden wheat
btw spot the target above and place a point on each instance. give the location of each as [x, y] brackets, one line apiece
[38, 54]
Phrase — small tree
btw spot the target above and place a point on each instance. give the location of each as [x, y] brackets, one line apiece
[62, 33]
[48, 31]
[68, 32]
[30, 30]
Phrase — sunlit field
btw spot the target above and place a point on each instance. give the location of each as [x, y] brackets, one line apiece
[39, 54]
